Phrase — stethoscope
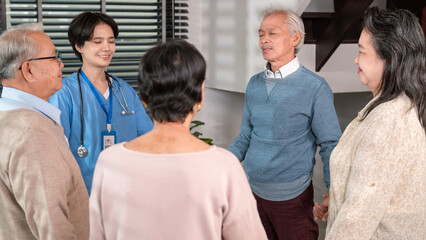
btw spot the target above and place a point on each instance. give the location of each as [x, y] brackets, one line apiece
[82, 150]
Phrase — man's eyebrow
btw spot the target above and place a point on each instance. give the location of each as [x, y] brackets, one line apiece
[103, 38]
[267, 29]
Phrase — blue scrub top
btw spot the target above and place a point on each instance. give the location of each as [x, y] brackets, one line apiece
[127, 127]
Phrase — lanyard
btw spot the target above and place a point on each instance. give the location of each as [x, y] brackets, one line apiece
[95, 92]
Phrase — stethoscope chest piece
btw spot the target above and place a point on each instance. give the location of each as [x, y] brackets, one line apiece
[81, 151]
[127, 113]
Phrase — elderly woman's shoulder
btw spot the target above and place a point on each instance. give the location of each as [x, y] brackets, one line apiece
[398, 113]
[397, 106]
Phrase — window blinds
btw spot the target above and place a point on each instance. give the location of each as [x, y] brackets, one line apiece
[142, 24]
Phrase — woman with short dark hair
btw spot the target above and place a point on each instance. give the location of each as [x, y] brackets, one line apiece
[378, 168]
[168, 184]
[98, 109]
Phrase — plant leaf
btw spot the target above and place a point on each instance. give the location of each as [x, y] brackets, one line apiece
[207, 140]
[197, 134]
[196, 123]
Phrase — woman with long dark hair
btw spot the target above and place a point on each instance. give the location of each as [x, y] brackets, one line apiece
[378, 168]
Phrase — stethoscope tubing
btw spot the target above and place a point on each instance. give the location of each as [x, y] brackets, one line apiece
[82, 150]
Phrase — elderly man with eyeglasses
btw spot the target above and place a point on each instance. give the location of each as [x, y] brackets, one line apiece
[42, 193]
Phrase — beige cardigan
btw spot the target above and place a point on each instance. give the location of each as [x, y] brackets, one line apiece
[42, 193]
[378, 176]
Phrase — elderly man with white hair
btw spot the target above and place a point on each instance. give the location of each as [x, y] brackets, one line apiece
[42, 193]
[288, 113]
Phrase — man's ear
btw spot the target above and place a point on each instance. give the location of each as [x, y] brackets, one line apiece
[295, 38]
[27, 72]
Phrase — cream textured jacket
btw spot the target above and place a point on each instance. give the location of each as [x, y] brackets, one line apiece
[378, 176]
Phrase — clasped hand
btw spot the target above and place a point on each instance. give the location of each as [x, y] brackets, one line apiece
[321, 209]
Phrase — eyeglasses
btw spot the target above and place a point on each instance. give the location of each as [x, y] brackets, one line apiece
[58, 58]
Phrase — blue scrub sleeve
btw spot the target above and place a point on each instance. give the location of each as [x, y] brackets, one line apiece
[144, 123]
[61, 100]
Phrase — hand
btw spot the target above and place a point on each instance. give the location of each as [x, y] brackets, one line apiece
[321, 209]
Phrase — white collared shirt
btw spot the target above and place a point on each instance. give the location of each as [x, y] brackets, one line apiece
[12, 99]
[283, 71]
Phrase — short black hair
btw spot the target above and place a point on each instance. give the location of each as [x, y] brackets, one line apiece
[170, 80]
[82, 26]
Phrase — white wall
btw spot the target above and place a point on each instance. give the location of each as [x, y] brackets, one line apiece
[219, 30]
[320, 6]
[229, 42]
[226, 32]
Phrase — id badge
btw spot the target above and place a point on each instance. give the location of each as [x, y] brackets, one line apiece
[108, 139]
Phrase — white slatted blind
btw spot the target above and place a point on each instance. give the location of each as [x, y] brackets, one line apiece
[181, 19]
[21, 11]
[140, 23]
[57, 15]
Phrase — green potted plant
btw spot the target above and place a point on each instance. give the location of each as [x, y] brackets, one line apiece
[197, 134]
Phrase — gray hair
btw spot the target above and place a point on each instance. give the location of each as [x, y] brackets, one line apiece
[16, 46]
[294, 22]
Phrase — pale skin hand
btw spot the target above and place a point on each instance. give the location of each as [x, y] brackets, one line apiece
[321, 209]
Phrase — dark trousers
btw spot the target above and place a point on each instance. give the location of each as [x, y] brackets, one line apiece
[290, 219]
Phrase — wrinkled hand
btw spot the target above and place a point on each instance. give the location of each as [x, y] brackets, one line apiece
[321, 209]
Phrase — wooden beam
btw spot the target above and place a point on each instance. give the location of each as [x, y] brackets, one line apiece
[418, 7]
[414, 6]
[338, 4]
[345, 18]
[315, 24]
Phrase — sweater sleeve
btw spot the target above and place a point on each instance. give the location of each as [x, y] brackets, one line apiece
[240, 144]
[375, 171]
[40, 179]
[325, 126]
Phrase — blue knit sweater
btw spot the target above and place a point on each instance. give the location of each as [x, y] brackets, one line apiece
[280, 132]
